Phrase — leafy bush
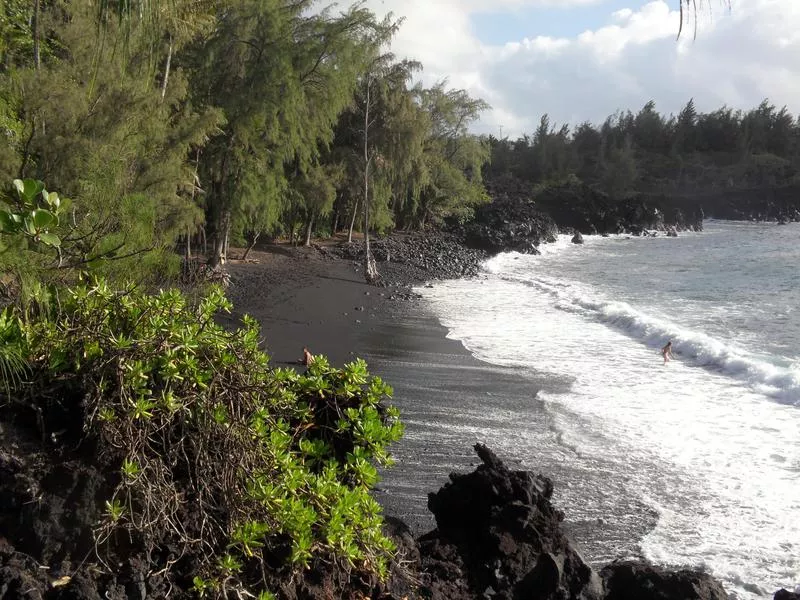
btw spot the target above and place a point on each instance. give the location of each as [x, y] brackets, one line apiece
[39, 247]
[214, 452]
[32, 216]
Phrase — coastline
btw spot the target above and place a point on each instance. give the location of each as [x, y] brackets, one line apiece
[448, 399]
[303, 298]
[499, 531]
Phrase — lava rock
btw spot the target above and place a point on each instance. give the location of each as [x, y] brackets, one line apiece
[512, 222]
[417, 257]
[635, 580]
[497, 530]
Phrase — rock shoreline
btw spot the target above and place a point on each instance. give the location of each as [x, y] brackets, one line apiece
[498, 537]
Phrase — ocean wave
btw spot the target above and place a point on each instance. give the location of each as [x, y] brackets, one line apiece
[695, 347]
[501, 262]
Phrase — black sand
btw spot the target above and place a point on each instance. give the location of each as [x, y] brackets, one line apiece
[304, 299]
[448, 399]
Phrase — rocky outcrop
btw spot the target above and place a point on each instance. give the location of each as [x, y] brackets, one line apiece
[415, 258]
[519, 218]
[499, 536]
[628, 580]
[780, 203]
[582, 208]
[509, 224]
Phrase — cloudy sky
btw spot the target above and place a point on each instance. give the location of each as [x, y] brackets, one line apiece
[584, 59]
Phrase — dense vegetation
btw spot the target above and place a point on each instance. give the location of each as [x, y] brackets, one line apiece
[649, 152]
[207, 451]
[217, 122]
[187, 124]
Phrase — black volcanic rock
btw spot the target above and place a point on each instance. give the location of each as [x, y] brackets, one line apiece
[778, 203]
[498, 536]
[629, 580]
[578, 207]
[414, 258]
[509, 224]
[520, 218]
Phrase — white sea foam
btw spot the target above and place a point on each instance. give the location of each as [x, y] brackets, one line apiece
[694, 346]
[709, 442]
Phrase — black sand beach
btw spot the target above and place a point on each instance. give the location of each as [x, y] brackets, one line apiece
[448, 399]
[302, 298]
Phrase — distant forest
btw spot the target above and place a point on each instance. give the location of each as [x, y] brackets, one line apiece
[649, 152]
[216, 123]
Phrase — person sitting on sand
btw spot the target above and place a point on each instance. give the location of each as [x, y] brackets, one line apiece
[307, 357]
[666, 352]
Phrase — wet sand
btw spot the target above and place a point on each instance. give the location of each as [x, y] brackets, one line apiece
[444, 394]
[448, 399]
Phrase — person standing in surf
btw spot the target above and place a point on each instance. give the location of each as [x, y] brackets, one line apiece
[666, 352]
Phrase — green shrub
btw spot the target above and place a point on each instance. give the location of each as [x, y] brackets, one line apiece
[214, 451]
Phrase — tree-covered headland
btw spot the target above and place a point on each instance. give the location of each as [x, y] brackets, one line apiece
[204, 124]
[683, 154]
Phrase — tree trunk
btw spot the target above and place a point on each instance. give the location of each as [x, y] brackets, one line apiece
[219, 253]
[188, 243]
[335, 222]
[216, 253]
[205, 240]
[37, 58]
[251, 246]
[166, 69]
[227, 238]
[370, 269]
[352, 223]
[309, 228]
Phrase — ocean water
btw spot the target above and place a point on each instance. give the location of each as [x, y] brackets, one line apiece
[694, 463]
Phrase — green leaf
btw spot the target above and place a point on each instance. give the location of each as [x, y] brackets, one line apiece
[51, 239]
[53, 200]
[28, 189]
[7, 222]
[29, 226]
[42, 219]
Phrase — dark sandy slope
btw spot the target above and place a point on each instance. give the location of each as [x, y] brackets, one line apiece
[448, 399]
[302, 299]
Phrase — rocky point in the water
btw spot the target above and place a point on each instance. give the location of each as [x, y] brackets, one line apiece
[519, 218]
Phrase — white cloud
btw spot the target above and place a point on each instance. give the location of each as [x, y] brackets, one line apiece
[737, 59]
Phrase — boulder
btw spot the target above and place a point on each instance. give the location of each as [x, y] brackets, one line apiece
[509, 224]
[577, 238]
[638, 580]
[499, 536]
[787, 595]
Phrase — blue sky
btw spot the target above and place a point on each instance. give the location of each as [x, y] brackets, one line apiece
[499, 27]
[582, 60]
